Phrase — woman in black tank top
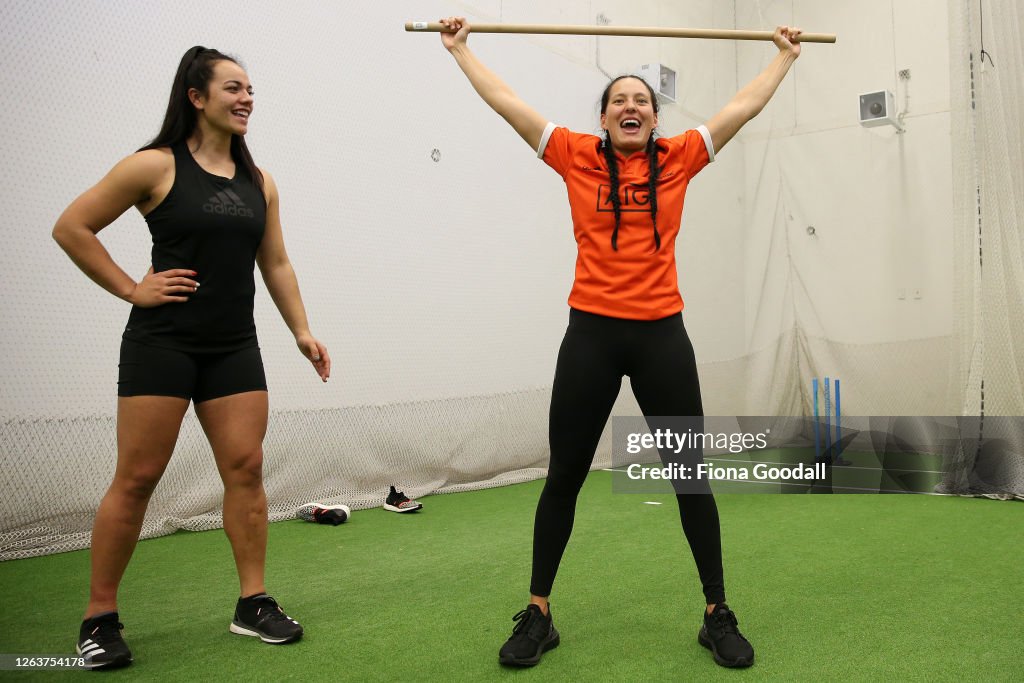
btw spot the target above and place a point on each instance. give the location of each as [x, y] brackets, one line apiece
[213, 216]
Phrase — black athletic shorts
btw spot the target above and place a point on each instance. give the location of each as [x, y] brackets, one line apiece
[155, 371]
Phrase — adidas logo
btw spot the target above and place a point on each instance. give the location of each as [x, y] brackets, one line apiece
[227, 203]
[89, 649]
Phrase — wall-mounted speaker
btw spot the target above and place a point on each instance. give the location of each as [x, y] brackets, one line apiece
[877, 109]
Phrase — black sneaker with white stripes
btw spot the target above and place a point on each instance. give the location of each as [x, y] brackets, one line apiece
[260, 616]
[100, 644]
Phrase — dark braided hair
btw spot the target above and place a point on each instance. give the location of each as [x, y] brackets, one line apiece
[613, 168]
[196, 71]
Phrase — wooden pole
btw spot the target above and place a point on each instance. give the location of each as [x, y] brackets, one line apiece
[639, 31]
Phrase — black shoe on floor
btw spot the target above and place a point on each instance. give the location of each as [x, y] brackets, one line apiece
[398, 502]
[100, 643]
[721, 635]
[261, 617]
[533, 635]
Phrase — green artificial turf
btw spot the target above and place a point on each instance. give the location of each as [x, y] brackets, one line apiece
[861, 587]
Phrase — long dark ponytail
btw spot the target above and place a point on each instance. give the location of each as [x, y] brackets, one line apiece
[196, 71]
[613, 168]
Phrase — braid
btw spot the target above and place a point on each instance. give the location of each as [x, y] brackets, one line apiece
[613, 174]
[652, 187]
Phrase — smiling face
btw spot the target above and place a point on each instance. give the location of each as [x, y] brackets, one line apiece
[629, 112]
[228, 101]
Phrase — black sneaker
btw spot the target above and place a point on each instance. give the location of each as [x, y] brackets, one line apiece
[100, 643]
[721, 635]
[397, 502]
[534, 635]
[260, 616]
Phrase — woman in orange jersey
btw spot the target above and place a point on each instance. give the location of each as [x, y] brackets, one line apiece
[626, 192]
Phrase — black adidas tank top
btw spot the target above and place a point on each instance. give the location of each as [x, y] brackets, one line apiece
[214, 226]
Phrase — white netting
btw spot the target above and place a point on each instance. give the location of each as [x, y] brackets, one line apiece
[328, 455]
[894, 378]
[334, 455]
[987, 106]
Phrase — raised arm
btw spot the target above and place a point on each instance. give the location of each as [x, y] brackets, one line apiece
[139, 180]
[749, 101]
[521, 116]
[279, 276]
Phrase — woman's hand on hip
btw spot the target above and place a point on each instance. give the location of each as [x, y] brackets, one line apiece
[167, 286]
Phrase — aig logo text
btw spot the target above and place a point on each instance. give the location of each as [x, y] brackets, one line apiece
[633, 197]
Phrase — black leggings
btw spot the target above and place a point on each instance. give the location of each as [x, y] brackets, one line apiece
[596, 352]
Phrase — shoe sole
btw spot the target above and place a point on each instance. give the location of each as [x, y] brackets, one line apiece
[740, 663]
[243, 631]
[531, 661]
[392, 508]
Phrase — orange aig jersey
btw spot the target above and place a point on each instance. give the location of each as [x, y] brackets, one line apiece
[634, 282]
